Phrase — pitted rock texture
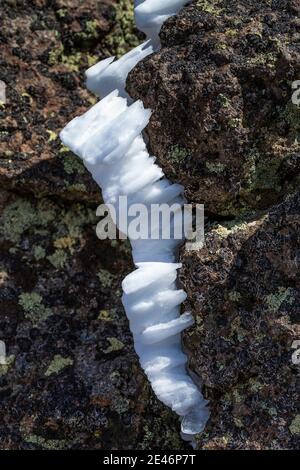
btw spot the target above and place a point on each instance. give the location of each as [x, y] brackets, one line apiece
[224, 126]
[244, 289]
[223, 123]
[71, 379]
[45, 49]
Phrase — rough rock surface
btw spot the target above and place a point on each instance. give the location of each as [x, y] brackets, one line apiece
[72, 378]
[224, 74]
[45, 48]
[244, 287]
[224, 125]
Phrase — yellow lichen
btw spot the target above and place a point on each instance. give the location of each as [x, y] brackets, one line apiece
[57, 364]
[115, 345]
[8, 362]
[64, 243]
[295, 425]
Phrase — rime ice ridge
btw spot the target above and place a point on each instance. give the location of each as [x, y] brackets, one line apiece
[108, 138]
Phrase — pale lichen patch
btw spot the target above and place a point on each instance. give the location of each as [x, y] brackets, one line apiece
[34, 309]
[57, 364]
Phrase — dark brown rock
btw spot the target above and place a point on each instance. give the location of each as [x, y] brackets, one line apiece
[71, 379]
[243, 287]
[223, 123]
[224, 126]
[45, 49]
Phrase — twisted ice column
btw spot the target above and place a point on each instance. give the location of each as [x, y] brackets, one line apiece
[108, 139]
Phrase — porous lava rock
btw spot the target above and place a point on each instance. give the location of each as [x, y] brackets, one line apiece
[220, 88]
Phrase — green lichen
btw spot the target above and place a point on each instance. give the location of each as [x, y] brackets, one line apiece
[57, 364]
[295, 425]
[92, 60]
[58, 258]
[106, 278]
[234, 123]
[48, 444]
[92, 28]
[43, 217]
[177, 154]
[267, 59]
[272, 411]
[108, 315]
[45, 212]
[231, 32]
[224, 100]
[34, 310]
[76, 188]
[22, 215]
[226, 229]
[16, 219]
[71, 61]
[236, 330]
[249, 167]
[115, 345]
[215, 167]
[9, 361]
[238, 422]
[39, 253]
[54, 55]
[209, 6]
[234, 296]
[274, 301]
[74, 220]
[72, 164]
[63, 149]
[61, 13]
[255, 386]
[123, 37]
[221, 46]
[161, 426]
[90, 33]
[120, 404]
[267, 175]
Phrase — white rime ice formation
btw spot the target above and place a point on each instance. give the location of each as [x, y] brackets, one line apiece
[109, 140]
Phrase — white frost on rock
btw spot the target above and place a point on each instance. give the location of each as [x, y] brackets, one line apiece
[151, 14]
[110, 74]
[108, 138]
